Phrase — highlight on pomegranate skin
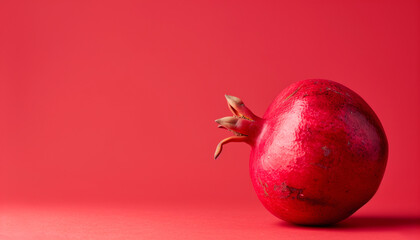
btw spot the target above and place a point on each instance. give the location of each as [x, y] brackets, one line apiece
[318, 154]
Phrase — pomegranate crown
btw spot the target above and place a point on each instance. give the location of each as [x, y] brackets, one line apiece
[243, 124]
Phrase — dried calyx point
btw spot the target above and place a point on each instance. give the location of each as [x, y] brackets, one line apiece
[242, 123]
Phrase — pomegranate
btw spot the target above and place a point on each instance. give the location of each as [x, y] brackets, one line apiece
[318, 154]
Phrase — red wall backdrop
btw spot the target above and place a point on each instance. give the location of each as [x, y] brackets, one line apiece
[114, 101]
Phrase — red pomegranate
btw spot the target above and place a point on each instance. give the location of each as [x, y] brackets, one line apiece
[318, 154]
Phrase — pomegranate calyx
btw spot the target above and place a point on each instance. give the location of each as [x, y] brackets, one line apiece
[238, 108]
[236, 125]
[244, 124]
[228, 140]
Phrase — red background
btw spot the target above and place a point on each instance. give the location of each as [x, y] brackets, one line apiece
[113, 102]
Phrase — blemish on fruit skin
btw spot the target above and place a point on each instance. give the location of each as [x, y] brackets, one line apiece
[264, 185]
[327, 151]
[265, 192]
[293, 93]
[288, 192]
[333, 90]
[320, 165]
[259, 180]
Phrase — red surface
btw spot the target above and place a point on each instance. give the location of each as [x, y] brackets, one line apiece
[114, 101]
[187, 222]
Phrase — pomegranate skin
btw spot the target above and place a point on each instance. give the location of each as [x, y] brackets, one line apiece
[319, 155]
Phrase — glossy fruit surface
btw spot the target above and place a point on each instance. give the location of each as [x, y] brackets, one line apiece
[318, 154]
